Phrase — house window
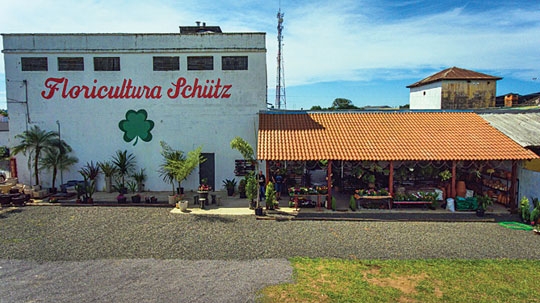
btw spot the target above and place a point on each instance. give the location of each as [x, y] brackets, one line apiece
[166, 63]
[234, 63]
[200, 63]
[106, 63]
[34, 64]
[67, 64]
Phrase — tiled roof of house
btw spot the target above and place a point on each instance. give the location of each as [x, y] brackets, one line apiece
[383, 136]
[454, 73]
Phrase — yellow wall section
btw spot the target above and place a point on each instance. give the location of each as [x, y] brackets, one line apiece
[532, 165]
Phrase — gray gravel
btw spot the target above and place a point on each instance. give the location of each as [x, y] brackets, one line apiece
[127, 254]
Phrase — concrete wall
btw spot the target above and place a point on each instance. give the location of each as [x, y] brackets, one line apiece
[92, 125]
[529, 184]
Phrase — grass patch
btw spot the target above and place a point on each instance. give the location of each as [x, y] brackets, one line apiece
[337, 280]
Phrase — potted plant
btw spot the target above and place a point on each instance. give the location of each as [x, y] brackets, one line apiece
[251, 190]
[483, 202]
[121, 199]
[230, 185]
[180, 202]
[139, 177]
[270, 195]
[136, 198]
[124, 163]
[176, 166]
[108, 169]
[89, 172]
[242, 188]
[524, 209]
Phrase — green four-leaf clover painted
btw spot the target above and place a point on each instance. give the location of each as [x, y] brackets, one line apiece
[136, 126]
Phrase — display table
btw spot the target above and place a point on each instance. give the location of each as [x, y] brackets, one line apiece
[297, 197]
[374, 202]
[203, 197]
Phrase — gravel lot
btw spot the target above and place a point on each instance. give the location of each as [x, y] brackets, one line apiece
[126, 254]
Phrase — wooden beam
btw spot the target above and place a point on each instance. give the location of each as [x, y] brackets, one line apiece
[391, 179]
[453, 189]
[329, 185]
[513, 188]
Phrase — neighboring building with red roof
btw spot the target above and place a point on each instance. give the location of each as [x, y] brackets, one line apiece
[454, 88]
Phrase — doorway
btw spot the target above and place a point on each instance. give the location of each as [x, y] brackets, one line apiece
[207, 170]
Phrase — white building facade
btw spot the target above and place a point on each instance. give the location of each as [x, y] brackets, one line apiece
[428, 96]
[111, 92]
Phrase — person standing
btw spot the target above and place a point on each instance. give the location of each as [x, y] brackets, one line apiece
[262, 185]
[278, 184]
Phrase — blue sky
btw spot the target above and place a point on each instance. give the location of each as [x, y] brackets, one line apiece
[367, 51]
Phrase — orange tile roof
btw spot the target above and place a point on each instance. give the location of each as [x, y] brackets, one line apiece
[383, 136]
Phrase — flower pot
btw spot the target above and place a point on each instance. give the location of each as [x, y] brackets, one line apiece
[135, 199]
[461, 189]
[182, 205]
[172, 201]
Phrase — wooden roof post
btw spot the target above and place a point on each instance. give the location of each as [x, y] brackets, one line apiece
[513, 188]
[391, 179]
[329, 185]
[453, 190]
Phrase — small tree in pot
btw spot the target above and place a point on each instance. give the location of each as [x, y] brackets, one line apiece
[176, 166]
[251, 190]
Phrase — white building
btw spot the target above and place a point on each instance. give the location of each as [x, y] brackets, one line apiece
[200, 88]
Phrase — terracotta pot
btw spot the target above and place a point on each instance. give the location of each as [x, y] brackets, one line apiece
[461, 189]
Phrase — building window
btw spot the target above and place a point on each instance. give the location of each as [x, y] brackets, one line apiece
[234, 63]
[200, 63]
[67, 64]
[106, 63]
[34, 64]
[166, 63]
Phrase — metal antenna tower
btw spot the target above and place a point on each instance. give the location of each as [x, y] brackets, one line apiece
[281, 100]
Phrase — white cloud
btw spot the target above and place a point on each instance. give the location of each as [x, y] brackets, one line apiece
[332, 43]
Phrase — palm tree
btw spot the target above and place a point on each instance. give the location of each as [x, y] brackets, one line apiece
[108, 169]
[33, 141]
[56, 157]
[125, 163]
[170, 156]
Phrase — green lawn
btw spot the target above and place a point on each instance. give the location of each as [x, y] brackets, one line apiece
[335, 280]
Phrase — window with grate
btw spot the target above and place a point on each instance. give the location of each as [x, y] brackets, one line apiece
[71, 63]
[201, 63]
[166, 63]
[106, 63]
[234, 63]
[34, 64]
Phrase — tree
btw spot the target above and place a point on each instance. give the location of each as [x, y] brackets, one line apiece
[342, 103]
[243, 147]
[176, 166]
[57, 158]
[33, 141]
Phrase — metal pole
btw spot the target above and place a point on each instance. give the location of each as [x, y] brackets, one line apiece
[60, 139]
